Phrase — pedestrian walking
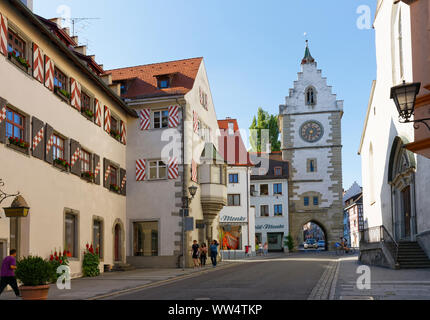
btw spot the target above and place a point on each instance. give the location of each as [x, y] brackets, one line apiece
[260, 249]
[203, 254]
[8, 273]
[195, 253]
[265, 248]
[214, 252]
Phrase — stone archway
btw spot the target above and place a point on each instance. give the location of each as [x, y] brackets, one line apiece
[118, 241]
[314, 230]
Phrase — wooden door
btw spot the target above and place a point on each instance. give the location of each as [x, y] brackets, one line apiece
[406, 198]
[117, 243]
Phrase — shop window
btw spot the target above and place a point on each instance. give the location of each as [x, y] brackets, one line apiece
[264, 190]
[98, 236]
[145, 238]
[231, 237]
[161, 119]
[233, 200]
[71, 234]
[233, 178]
[157, 170]
[278, 210]
[15, 127]
[277, 188]
[264, 211]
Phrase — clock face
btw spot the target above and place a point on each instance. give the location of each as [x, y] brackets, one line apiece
[311, 131]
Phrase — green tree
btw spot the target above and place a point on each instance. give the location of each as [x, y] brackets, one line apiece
[259, 138]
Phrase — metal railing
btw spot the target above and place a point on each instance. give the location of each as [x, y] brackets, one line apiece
[380, 234]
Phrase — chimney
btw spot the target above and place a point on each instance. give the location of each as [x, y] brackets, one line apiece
[81, 49]
[75, 38]
[28, 3]
[67, 30]
[57, 21]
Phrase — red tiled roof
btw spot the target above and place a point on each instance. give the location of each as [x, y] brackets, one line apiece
[232, 147]
[143, 81]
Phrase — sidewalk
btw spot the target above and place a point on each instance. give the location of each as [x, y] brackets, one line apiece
[112, 283]
[386, 284]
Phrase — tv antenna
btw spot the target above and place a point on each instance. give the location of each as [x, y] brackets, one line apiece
[75, 21]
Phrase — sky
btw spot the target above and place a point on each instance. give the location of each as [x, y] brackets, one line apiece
[252, 49]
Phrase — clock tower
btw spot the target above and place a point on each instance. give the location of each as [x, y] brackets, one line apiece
[310, 125]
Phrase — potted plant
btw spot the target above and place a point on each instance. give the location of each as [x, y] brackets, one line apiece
[19, 61]
[35, 273]
[87, 175]
[19, 144]
[91, 262]
[63, 94]
[114, 187]
[114, 133]
[56, 260]
[88, 113]
[288, 243]
[61, 163]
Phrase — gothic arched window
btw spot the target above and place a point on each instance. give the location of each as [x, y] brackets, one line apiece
[310, 96]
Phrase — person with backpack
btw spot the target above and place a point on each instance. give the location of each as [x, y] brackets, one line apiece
[214, 252]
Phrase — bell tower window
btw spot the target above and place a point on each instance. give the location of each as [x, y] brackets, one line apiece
[310, 96]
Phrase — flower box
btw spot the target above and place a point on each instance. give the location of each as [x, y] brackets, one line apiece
[88, 176]
[115, 134]
[18, 61]
[63, 94]
[61, 164]
[19, 145]
[87, 113]
[114, 188]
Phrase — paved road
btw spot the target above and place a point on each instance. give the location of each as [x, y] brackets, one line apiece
[291, 278]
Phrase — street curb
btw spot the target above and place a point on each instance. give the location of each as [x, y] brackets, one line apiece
[326, 285]
[162, 282]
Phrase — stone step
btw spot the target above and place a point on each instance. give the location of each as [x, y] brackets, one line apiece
[400, 260]
[123, 267]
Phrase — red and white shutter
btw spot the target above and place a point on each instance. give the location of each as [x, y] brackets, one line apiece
[3, 34]
[123, 133]
[173, 168]
[107, 120]
[2, 112]
[173, 116]
[37, 63]
[194, 171]
[107, 173]
[195, 122]
[49, 73]
[145, 119]
[76, 94]
[98, 117]
[140, 170]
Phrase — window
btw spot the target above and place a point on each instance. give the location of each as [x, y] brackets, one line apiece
[278, 171]
[113, 175]
[123, 88]
[98, 236]
[85, 161]
[16, 44]
[264, 190]
[311, 165]
[163, 82]
[230, 128]
[306, 201]
[85, 102]
[157, 170]
[264, 211]
[252, 189]
[145, 238]
[310, 96]
[15, 235]
[278, 209]
[161, 119]
[233, 178]
[14, 124]
[57, 147]
[113, 124]
[277, 188]
[316, 201]
[60, 80]
[71, 234]
[233, 200]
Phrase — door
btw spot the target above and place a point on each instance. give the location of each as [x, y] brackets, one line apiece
[274, 240]
[406, 199]
[117, 243]
[3, 248]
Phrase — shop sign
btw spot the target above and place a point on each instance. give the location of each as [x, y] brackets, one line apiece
[269, 226]
[232, 219]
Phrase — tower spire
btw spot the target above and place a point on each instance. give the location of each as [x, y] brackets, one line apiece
[308, 57]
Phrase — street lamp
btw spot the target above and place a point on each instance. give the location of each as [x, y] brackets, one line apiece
[404, 97]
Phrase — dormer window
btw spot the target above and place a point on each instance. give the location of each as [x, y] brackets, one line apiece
[278, 171]
[163, 82]
[310, 96]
